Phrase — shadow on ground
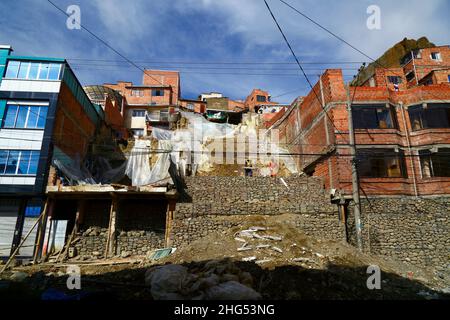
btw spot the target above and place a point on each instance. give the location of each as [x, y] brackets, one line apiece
[281, 283]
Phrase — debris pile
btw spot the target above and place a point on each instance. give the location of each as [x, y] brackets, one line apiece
[213, 280]
[265, 248]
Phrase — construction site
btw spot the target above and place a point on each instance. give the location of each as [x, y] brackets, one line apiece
[172, 211]
[138, 190]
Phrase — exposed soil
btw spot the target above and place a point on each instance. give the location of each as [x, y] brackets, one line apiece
[306, 268]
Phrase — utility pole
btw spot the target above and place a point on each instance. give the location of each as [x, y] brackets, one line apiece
[355, 180]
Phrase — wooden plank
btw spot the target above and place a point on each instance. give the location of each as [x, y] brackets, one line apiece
[111, 240]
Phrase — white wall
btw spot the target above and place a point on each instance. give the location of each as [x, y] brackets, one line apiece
[51, 86]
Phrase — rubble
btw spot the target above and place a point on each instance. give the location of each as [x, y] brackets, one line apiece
[213, 280]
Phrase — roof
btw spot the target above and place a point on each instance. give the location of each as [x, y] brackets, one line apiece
[97, 92]
[28, 58]
[149, 86]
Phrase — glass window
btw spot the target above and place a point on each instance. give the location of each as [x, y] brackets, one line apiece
[23, 70]
[42, 117]
[34, 160]
[433, 116]
[158, 93]
[23, 162]
[21, 117]
[261, 98]
[10, 117]
[33, 117]
[34, 70]
[3, 159]
[54, 71]
[138, 132]
[380, 163]
[25, 117]
[138, 113]
[43, 71]
[435, 164]
[410, 76]
[394, 79]
[435, 56]
[13, 159]
[19, 162]
[374, 117]
[13, 69]
[137, 93]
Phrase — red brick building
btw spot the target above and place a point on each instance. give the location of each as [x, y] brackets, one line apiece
[402, 134]
[149, 103]
[258, 98]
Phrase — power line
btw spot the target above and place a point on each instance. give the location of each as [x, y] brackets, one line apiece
[221, 62]
[199, 67]
[105, 43]
[301, 68]
[343, 40]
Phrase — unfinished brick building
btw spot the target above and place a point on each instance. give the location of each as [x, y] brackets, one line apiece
[402, 133]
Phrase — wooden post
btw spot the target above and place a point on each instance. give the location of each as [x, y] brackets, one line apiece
[24, 239]
[80, 212]
[169, 220]
[111, 241]
[41, 232]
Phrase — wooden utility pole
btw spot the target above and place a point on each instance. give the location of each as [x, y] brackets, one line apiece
[355, 180]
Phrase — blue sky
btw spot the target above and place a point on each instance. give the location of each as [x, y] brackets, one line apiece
[178, 33]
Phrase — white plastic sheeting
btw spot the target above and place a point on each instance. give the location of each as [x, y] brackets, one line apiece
[138, 165]
[185, 147]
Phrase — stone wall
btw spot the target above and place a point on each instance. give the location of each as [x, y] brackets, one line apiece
[216, 197]
[410, 229]
[140, 227]
[92, 242]
[139, 242]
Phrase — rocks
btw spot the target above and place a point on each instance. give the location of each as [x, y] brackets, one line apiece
[213, 280]
[125, 254]
[18, 276]
[231, 290]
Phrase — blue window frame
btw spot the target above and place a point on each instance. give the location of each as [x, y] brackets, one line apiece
[25, 117]
[18, 162]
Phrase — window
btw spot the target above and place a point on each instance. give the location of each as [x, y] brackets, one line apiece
[158, 93]
[380, 163]
[33, 70]
[25, 117]
[435, 164]
[374, 117]
[137, 93]
[139, 113]
[394, 79]
[138, 132]
[410, 76]
[433, 115]
[15, 162]
[448, 78]
[436, 56]
[153, 116]
[261, 98]
[13, 69]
